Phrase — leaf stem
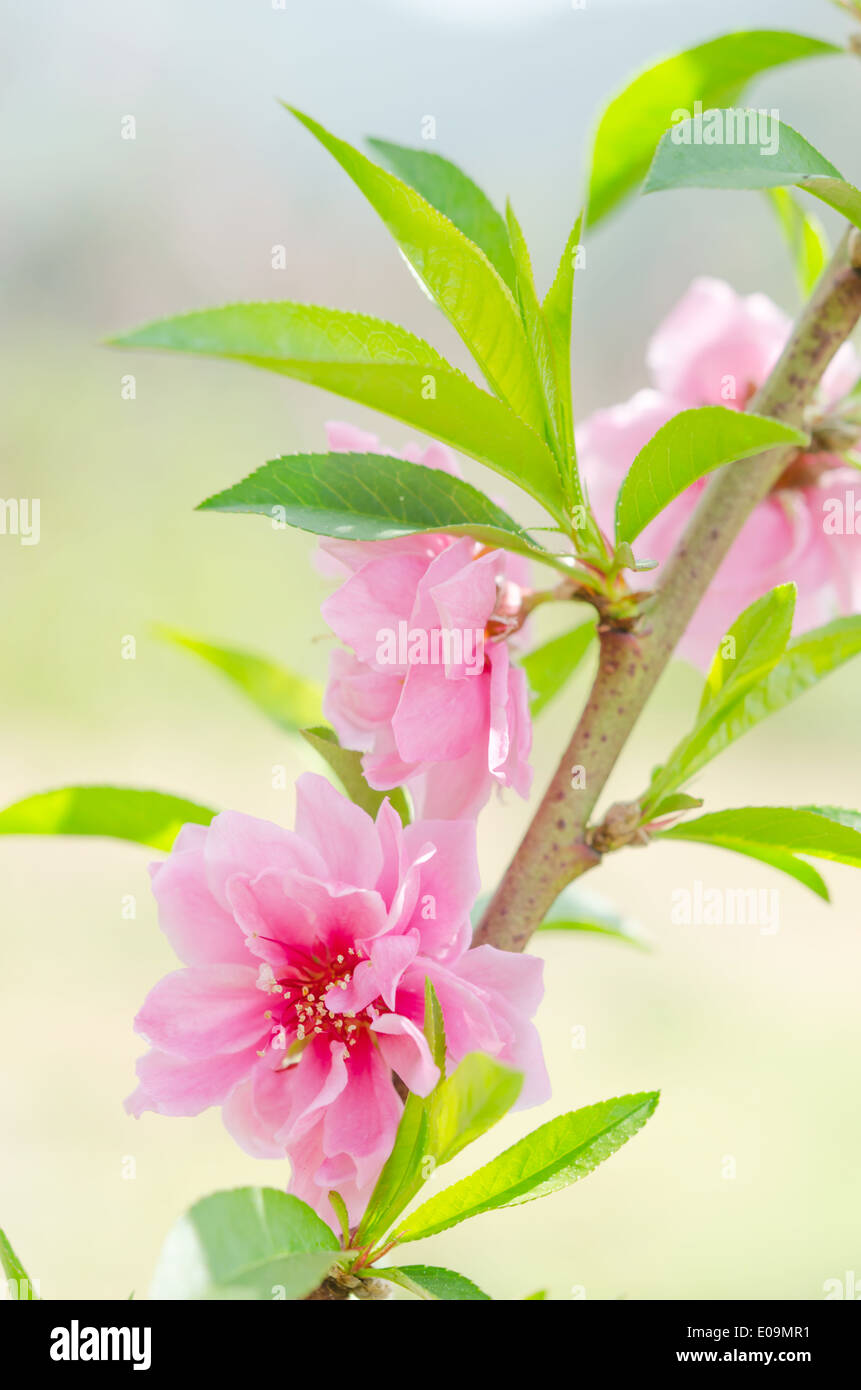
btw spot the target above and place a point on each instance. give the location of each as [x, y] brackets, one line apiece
[554, 850]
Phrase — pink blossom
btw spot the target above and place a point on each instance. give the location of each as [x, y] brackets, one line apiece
[716, 348]
[449, 722]
[305, 957]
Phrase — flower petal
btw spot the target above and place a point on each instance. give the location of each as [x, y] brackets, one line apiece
[173, 1086]
[404, 1048]
[204, 1010]
[198, 928]
[343, 834]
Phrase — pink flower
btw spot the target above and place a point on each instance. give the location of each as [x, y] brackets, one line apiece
[716, 348]
[427, 691]
[305, 957]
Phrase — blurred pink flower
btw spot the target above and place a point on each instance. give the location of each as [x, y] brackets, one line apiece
[716, 348]
[306, 954]
[427, 690]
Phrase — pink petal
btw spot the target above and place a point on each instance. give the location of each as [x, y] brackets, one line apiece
[469, 1024]
[197, 927]
[449, 883]
[320, 1077]
[712, 334]
[343, 834]
[518, 977]
[362, 1120]
[349, 439]
[377, 977]
[244, 1123]
[243, 844]
[439, 719]
[204, 1010]
[172, 1086]
[455, 790]
[374, 601]
[359, 700]
[404, 1048]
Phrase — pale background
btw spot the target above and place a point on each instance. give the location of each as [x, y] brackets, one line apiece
[754, 1039]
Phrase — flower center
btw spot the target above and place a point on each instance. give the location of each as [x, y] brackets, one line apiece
[298, 991]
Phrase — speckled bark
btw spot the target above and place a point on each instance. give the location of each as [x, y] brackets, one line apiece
[553, 851]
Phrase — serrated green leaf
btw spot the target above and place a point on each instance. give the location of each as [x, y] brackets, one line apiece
[558, 310]
[806, 660]
[458, 1111]
[375, 363]
[371, 497]
[690, 445]
[401, 1176]
[805, 237]
[453, 193]
[579, 909]
[549, 667]
[253, 1240]
[432, 1282]
[747, 654]
[550, 1158]
[346, 764]
[290, 701]
[751, 164]
[19, 1284]
[543, 357]
[776, 834]
[752, 647]
[457, 274]
[121, 813]
[714, 73]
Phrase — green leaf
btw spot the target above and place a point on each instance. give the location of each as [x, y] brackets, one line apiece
[805, 236]
[375, 363]
[752, 647]
[776, 834]
[538, 336]
[742, 703]
[714, 73]
[371, 497]
[747, 654]
[688, 446]
[468, 1103]
[677, 801]
[123, 813]
[434, 1026]
[558, 309]
[579, 909]
[538, 1297]
[549, 667]
[456, 273]
[453, 193]
[433, 1131]
[346, 764]
[550, 1158]
[431, 1282]
[20, 1286]
[339, 1207]
[290, 701]
[773, 157]
[254, 1240]
[402, 1174]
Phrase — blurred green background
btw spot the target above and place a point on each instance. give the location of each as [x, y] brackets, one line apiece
[753, 1038]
